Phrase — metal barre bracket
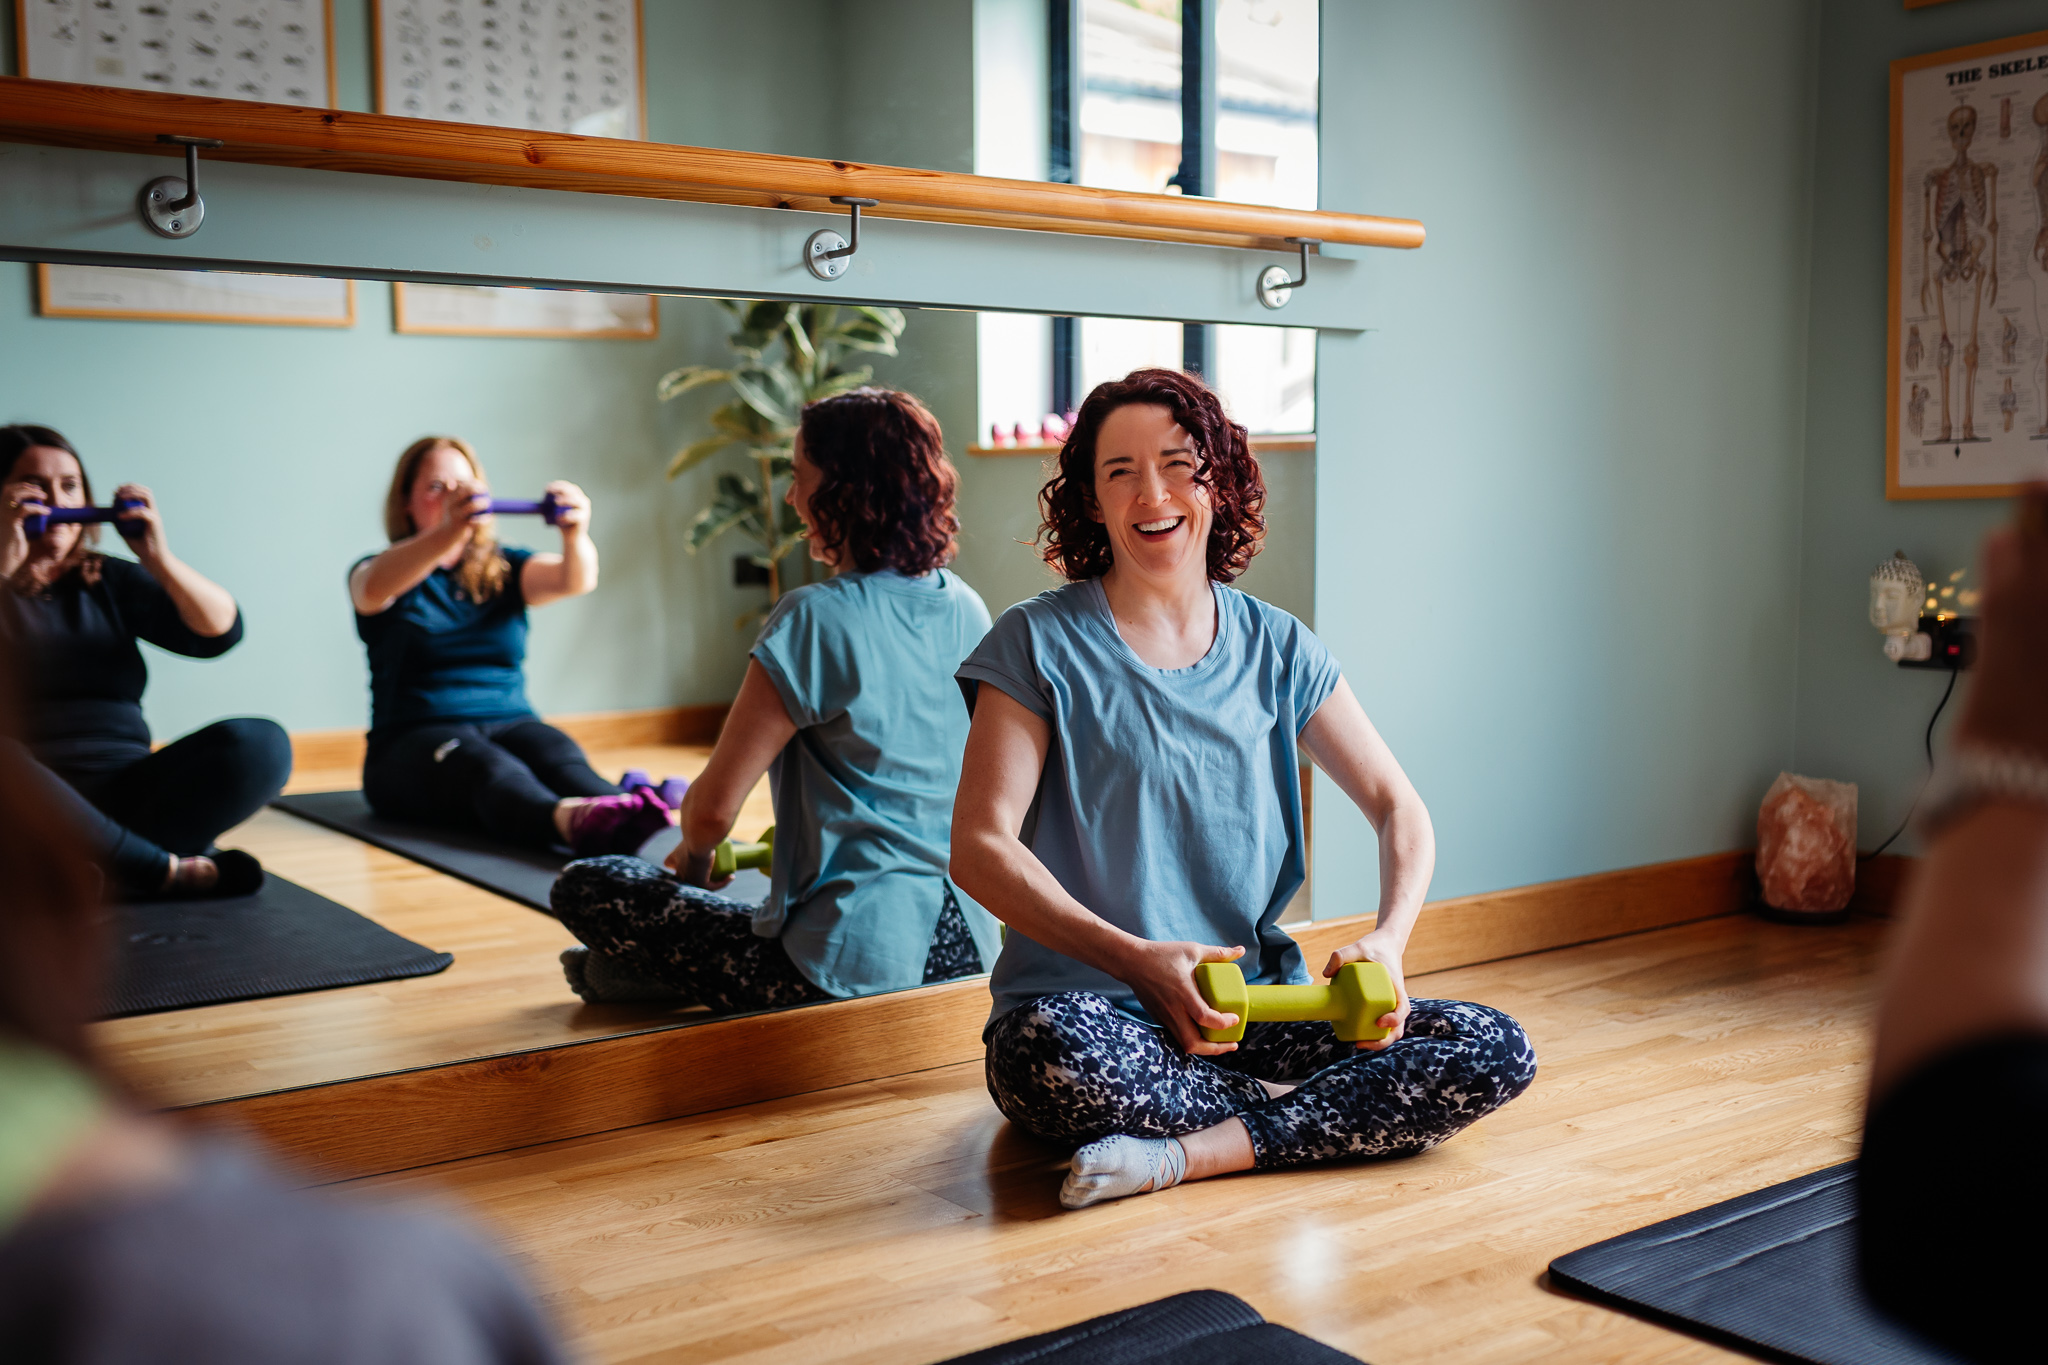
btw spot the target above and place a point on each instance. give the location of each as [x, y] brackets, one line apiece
[1274, 288]
[172, 207]
[825, 251]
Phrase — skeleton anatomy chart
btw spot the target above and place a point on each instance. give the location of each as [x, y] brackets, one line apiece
[270, 50]
[568, 66]
[1969, 288]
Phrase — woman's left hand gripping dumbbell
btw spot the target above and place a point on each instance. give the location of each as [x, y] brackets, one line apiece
[1385, 951]
[149, 544]
[574, 514]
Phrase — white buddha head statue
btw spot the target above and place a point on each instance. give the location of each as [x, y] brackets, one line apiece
[1895, 587]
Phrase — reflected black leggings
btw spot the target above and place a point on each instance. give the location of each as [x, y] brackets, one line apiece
[503, 778]
[178, 799]
[704, 944]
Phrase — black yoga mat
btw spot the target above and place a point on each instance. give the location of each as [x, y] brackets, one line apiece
[1203, 1327]
[1772, 1272]
[173, 955]
[523, 875]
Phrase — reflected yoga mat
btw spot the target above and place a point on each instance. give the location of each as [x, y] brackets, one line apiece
[174, 955]
[523, 875]
[1205, 1327]
[1772, 1272]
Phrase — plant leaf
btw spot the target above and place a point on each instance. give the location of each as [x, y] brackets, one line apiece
[711, 523]
[696, 453]
[770, 393]
[677, 382]
[844, 382]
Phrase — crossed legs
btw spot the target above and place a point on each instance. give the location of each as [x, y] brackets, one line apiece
[1070, 1068]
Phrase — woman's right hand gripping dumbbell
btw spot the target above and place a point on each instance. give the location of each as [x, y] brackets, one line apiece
[24, 498]
[1162, 976]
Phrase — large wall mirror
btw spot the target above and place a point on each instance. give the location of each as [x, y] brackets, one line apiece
[307, 392]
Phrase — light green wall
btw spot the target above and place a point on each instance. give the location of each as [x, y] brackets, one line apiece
[1860, 718]
[1558, 485]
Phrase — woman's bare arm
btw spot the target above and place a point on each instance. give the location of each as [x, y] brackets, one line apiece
[573, 572]
[1006, 749]
[755, 731]
[1344, 744]
[378, 582]
[206, 608]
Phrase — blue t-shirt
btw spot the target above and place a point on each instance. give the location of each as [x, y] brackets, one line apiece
[864, 792]
[1170, 804]
[437, 655]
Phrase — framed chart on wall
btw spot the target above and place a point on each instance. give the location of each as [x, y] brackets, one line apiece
[91, 291]
[466, 310]
[1967, 373]
[276, 51]
[566, 66]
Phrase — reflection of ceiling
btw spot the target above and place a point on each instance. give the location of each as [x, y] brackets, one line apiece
[1267, 64]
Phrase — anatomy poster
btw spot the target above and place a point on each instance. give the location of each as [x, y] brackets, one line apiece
[1969, 287]
[276, 51]
[568, 66]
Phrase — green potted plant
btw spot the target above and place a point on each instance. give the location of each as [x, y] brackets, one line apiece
[786, 355]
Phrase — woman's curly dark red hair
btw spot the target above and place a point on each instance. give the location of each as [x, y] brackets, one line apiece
[886, 498]
[1077, 544]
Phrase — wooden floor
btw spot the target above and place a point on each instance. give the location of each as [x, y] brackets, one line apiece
[905, 1221]
[504, 993]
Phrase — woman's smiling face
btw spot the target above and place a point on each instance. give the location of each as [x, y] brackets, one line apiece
[1146, 494]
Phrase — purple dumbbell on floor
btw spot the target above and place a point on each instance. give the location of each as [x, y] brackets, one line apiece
[549, 508]
[35, 524]
[669, 789]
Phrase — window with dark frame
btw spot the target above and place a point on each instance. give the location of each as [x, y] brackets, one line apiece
[1206, 97]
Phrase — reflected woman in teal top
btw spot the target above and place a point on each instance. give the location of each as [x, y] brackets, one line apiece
[850, 708]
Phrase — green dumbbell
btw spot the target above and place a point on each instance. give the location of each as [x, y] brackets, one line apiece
[1353, 1000]
[730, 857]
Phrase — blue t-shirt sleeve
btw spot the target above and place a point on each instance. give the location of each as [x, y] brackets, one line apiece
[1007, 657]
[1312, 671]
[515, 585]
[800, 649]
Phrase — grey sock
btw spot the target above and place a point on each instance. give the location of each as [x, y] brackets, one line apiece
[1114, 1167]
[601, 978]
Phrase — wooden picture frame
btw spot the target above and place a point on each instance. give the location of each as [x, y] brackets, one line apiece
[466, 310]
[25, 47]
[1966, 372]
[387, 103]
[76, 290]
[461, 310]
[144, 295]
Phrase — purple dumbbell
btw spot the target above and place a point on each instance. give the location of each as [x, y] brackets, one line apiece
[36, 523]
[549, 508]
[669, 789]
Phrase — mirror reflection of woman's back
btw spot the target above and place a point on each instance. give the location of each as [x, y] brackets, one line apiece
[850, 708]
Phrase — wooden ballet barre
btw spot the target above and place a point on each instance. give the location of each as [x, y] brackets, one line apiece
[57, 113]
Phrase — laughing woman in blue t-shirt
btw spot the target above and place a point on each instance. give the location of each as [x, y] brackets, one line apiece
[442, 613]
[1130, 807]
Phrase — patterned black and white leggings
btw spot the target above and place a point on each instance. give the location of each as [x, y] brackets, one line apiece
[1071, 1068]
[704, 944]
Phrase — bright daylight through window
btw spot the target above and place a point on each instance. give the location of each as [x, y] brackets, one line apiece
[1212, 97]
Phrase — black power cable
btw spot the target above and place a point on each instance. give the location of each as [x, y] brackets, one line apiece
[1927, 742]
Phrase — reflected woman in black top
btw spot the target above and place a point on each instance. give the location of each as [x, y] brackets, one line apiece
[76, 617]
